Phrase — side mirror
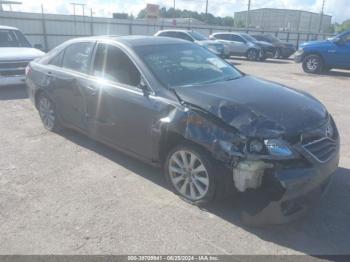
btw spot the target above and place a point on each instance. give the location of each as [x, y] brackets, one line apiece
[39, 46]
[338, 41]
[212, 38]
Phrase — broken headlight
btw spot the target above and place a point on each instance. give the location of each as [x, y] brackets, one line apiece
[278, 147]
[256, 146]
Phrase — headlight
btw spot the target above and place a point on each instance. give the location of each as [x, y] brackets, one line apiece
[300, 51]
[277, 147]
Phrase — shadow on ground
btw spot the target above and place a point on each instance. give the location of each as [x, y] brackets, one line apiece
[323, 231]
[334, 73]
[269, 60]
[13, 92]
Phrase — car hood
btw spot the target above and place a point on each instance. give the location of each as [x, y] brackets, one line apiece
[209, 42]
[316, 43]
[256, 107]
[19, 53]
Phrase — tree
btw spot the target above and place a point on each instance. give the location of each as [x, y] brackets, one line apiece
[177, 13]
[344, 26]
[122, 16]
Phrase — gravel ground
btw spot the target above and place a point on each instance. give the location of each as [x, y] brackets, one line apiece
[66, 194]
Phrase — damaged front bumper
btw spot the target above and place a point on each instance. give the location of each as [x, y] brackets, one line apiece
[302, 188]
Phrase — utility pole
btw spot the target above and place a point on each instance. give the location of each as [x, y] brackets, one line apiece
[247, 17]
[206, 7]
[320, 27]
[174, 9]
[74, 14]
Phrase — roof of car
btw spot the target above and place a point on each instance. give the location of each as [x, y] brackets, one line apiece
[135, 40]
[232, 33]
[175, 30]
[8, 27]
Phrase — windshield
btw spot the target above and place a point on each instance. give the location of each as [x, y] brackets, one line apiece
[12, 38]
[248, 37]
[198, 36]
[185, 65]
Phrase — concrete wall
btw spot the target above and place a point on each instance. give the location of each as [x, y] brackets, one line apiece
[283, 19]
[50, 30]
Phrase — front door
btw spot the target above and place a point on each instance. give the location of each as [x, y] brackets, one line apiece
[118, 110]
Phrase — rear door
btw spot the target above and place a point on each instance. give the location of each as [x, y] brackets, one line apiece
[118, 110]
[68, 75]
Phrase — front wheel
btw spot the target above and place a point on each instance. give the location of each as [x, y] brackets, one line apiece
[189, 169]
[313, 64]
[252, 55]
[47, 112]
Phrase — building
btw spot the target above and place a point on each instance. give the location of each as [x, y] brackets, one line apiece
[271, 19]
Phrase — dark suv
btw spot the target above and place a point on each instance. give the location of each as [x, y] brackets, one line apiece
[174, 104]
[283, 49]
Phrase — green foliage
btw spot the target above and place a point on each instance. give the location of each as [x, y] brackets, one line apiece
[344, 26]
[206, 18]
[122, 16]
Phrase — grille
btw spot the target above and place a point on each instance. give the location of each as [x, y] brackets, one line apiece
[13, 68]
[13, 64]
[321, 149]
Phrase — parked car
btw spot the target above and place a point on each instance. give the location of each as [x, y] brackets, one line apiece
[283, 49]
[178, 106]
[15, 54]
[245, 45]
[189, 35]
[320, 56]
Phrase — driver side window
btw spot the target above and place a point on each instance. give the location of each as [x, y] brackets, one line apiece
[114, 65]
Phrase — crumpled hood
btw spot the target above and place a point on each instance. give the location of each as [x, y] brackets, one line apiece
[257, 107]
[19, 53]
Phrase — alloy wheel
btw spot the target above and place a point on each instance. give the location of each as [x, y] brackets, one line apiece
[47, 113]
[312, 64]
[188, 175]
[252, 55]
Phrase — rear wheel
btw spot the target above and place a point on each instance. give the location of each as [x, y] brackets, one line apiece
[47, 112]
[189, 169]
[313, 64]
[252, 55]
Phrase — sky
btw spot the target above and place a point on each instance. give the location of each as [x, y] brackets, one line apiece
[339, 9]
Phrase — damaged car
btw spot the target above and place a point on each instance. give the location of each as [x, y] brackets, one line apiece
[213, 129]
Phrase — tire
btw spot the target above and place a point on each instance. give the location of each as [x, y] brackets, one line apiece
[313, 64]
[278, 53]
[197, 187]
[252, 55]
[47, 113]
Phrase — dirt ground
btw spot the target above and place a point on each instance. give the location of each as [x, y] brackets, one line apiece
[66, 194]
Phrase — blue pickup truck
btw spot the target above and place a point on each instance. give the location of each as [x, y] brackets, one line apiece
[321, 56]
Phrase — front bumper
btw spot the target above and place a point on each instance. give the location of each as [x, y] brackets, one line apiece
[287, 52]
[298, 57]
[12, 80]
[303, 188]
[267, 53]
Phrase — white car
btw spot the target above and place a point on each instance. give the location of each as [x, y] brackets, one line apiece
[15, 54]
